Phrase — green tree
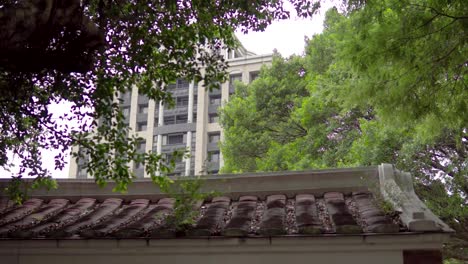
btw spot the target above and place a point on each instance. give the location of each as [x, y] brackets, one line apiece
[386, 82]
[87, 52]
[284, 119]
[260, 114]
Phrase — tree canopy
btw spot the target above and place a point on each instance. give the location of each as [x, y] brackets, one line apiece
[87, 52]
[383, 83]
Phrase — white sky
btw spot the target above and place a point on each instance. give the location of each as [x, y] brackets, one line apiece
[286, 36]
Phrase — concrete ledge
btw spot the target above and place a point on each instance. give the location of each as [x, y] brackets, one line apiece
[199, 245]
[315, 182]
[254, 59]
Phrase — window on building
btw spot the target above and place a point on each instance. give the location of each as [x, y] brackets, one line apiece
[138, 165]
[173, 139]
[253, 76]
[233, 78]
[215, 99]
[126, 111]
[156, 120]
[126, 95]
[194, 117]
[171, 86]
[195, 100]
[182, 84]
[155, 141]
[181, 119]
[141, 126]
[141, 146]
[82, 173]
[169, 120]
[168, 157]
[214, 137]
[213, 118]
[182, 101]
[143, 109]
[213, 156]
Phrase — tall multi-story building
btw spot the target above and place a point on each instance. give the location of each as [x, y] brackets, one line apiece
[192, 124]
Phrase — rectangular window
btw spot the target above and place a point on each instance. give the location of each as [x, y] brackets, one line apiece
[213, 156]
[143, 109]
[182, 101]
[82, 173]
[181, 119]
[213, 118]
[126, 112]
[169, 120]
[141, 126]
[171, 86]
[173, 139]
[233, 79]
[253, 76]
[214, 137]
[141, 146]
[215, 99]
[169, 156]
[126, 95]
[182, 84]
[138, 166]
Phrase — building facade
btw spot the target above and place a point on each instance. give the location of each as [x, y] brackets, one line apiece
[192, 124]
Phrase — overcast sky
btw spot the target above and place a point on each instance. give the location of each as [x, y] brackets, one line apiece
[287, 36]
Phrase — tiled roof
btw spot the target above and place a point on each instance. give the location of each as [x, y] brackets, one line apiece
[309, 203]
[277, 215]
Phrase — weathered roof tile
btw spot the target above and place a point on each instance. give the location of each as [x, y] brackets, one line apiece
[152, 218]
[36, 216]
[274, 216]
[373, 216]
[212, 220]
[306, 214]
[124, 217]
[103, 211]
[307, 218]
[68, 215]
[341, 217]
[26, 208]
[239, 225]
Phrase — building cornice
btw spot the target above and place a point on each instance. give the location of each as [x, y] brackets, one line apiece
[289, 183]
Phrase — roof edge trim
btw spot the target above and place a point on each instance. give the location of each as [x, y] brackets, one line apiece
[397, 188]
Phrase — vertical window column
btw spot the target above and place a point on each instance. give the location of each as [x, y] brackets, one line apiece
[159, 138]
[189, 133]
[233, 78]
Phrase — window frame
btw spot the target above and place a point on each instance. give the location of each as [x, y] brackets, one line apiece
[215, 99]
[213, 153]
[212, 135]
[140, 126]
[175, 135]
[213, 118]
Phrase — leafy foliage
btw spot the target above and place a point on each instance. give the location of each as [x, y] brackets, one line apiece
[123, 44]
[385, 82]
[187, 194]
